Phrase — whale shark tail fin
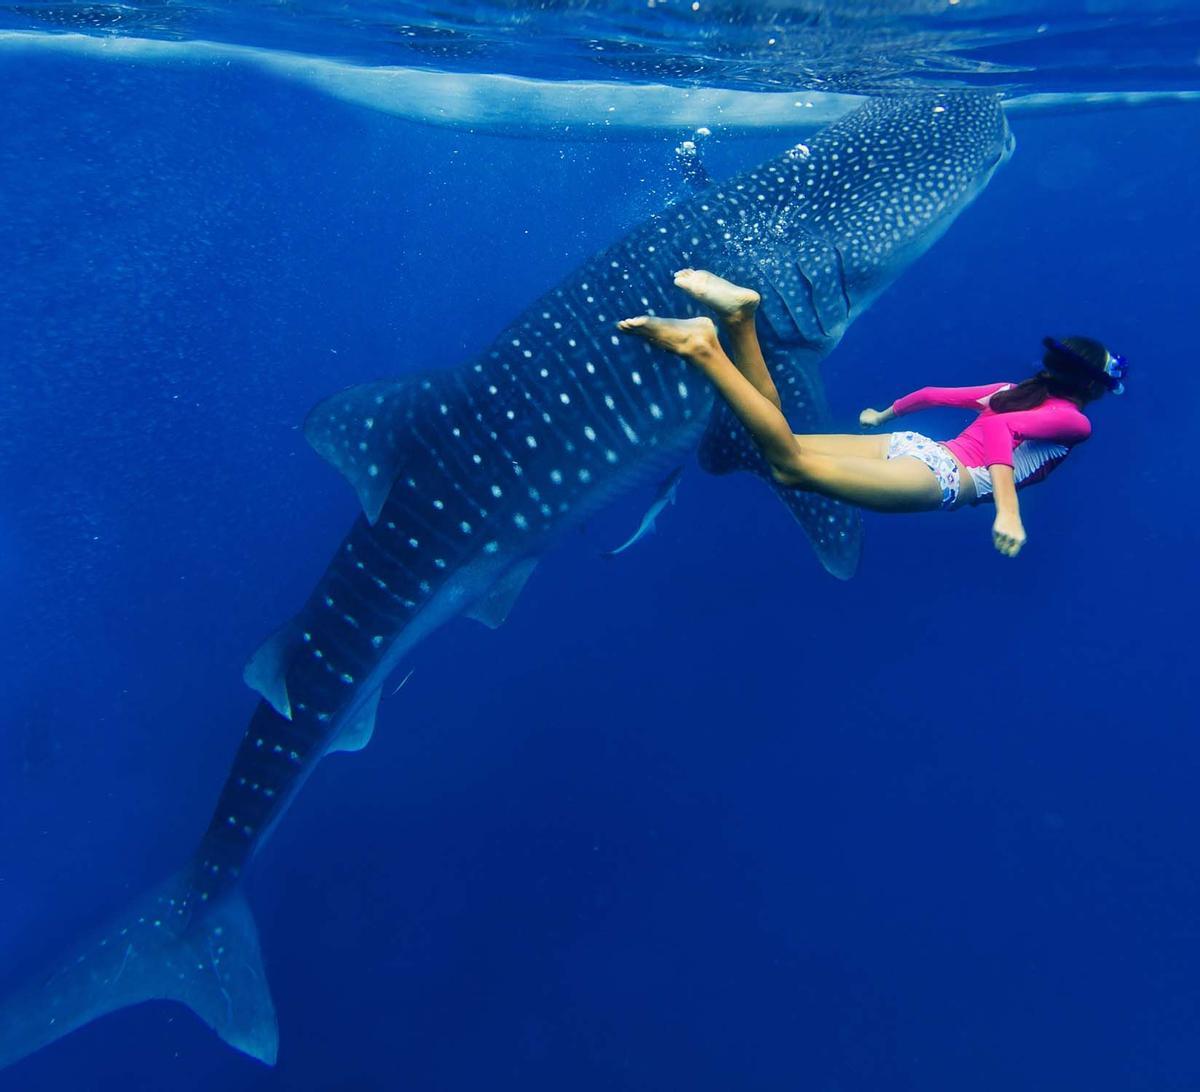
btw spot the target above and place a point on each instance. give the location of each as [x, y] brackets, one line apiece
[833, 528]
[163, 946]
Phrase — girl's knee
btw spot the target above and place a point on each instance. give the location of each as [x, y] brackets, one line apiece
[795, 471]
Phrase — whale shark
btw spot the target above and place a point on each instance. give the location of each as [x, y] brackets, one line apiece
[466, 475]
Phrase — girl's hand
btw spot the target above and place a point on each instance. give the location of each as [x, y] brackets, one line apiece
[869, 418]
[1008, 533]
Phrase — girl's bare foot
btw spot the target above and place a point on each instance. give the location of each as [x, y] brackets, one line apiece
[689, 338]
[732, 302]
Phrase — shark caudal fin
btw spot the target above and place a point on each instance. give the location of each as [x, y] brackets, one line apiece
[161, 947]
[833, 528]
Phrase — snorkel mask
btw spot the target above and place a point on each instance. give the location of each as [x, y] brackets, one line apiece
[1112, 375]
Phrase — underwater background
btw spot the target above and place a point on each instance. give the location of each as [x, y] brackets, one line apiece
[696, 817]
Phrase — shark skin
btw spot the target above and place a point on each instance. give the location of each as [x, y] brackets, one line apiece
[467, 475]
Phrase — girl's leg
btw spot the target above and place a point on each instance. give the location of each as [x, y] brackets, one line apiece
[858, 447]
[736, 308]
[883, 485]
[696, 341]
[896, 485]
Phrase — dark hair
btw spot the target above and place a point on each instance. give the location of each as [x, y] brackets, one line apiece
[1062, 376]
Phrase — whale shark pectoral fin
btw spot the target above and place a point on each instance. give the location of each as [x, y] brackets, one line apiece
[833, 527]
[363, 432]
[357, 732]
[493, 608]
[267, 669]
[167, 945]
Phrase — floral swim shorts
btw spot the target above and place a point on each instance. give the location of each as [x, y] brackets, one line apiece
[934, 456]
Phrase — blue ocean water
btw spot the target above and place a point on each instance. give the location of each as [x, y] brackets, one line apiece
[696, 817]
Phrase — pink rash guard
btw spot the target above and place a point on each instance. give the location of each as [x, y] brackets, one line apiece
[1033, 441]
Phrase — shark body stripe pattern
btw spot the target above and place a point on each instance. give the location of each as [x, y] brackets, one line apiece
[467, 475]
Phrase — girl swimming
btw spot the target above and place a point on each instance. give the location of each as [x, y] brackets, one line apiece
[1022, 431]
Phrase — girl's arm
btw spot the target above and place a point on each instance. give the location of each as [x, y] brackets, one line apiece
[928, 397]
[1008, 533]
[869, 418]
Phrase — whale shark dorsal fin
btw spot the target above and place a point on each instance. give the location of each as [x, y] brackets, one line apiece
[266, 670]
[834, 529]
[493, 608]
[362, 431]
[358, 729]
